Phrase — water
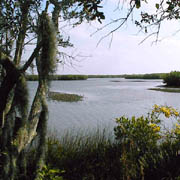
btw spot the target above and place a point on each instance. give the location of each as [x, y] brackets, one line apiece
[104, 101]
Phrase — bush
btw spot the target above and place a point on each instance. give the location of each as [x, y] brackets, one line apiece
[147, 148]
[49, 174]
[138, 139]
[172, 79]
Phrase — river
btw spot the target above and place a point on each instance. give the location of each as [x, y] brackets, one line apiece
[104, 100]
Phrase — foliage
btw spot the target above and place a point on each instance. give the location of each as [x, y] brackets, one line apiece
[49, 174]
[142, 141]
[149, 20]
[172, 79]
[138, 138]
[165, 10]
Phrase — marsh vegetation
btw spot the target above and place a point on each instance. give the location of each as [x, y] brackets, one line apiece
[138, 148]
[65, 97]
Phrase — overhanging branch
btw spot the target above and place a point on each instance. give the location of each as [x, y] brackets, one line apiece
[30, 60]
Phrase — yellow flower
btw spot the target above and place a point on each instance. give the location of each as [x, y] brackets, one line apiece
[156, 106]
[178, 126]
[163, 109]
[154, 127]
[157, 129]
[176, 113]
[167, 113]
[177, 129]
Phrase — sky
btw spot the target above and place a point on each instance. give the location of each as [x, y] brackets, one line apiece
[125, 54]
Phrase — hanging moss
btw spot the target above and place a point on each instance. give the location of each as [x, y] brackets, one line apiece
[49, 50]
[21, 97]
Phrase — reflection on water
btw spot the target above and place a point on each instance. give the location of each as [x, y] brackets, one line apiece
[104, 100]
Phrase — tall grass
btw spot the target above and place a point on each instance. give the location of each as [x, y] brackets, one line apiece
[84, 155]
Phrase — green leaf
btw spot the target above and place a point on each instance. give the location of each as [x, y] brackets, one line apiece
[145, 29]
[157, 6]
[138, 4]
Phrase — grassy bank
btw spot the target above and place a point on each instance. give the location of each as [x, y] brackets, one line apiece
[171, 90]
[57, 96]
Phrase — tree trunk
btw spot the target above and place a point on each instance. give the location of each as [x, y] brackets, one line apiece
[18, 128]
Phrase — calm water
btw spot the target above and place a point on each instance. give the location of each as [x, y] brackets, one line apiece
[104, 100]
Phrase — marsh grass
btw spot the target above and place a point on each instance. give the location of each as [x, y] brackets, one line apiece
[57, 96]
[84, 155]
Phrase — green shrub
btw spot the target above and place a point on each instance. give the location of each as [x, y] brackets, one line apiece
[147, 149]
[138, 139]
[50, 174]
[172, 79]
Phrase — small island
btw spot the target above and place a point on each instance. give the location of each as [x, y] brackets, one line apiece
[65, 97]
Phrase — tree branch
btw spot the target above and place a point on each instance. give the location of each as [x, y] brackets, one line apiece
[33, 55]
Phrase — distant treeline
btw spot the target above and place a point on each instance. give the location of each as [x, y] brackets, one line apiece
[84, 77]
[106, 76]
[59, 77]
[73, 77]
[145, 76]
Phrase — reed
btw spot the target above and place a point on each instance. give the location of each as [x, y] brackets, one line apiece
[84, 155]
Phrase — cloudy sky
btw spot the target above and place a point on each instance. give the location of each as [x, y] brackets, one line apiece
[125, 55]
